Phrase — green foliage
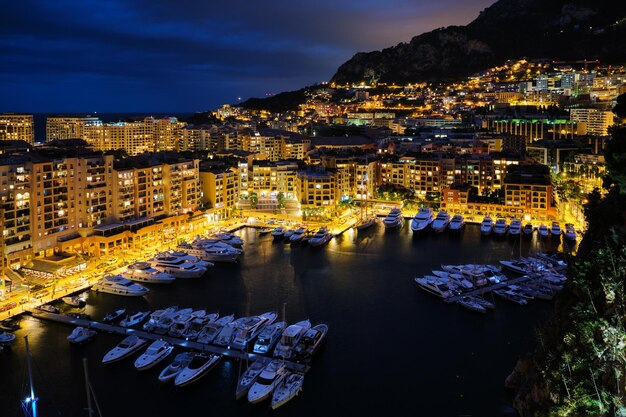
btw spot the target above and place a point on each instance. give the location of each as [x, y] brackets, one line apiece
[620, 107]
[254, 200]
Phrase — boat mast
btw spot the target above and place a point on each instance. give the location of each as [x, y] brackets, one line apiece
[30, 402]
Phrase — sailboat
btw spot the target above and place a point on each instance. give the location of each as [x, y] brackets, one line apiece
[367, 221]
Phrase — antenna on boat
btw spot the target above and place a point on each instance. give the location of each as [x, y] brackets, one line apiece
[90, 392]
[30, 403]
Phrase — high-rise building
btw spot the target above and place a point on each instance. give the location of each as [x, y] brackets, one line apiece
[15, 126]
[593, 121]
[64, 127]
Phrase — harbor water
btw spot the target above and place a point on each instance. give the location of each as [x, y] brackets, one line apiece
[391, 349]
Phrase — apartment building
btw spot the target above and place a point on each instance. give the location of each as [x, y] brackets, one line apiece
[593, 121]
[63, 127]
[323, 187]
[14, 126]
[220, 189]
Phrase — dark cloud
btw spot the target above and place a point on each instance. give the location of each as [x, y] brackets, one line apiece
[173, 55]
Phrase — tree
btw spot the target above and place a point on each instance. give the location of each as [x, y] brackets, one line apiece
[620, 108]
[280, 198]
[254, 200]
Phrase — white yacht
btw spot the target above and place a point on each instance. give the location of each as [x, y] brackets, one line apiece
[265, 383]
[394, 219]
[435, 286]
[249, 376]
[570, 232]
[269, 337]
[441, 221]
[199, 366]
[471, 304]
[197, 324]
[75, 300]
[311, 341]
[144, 272]
[211, 251]
[226, 334]
[457, 223]
[177, 267]
[555, 230]
[298, 235]
[288, 388]
[178, 364]
[164, 324]
[290, 338]
[116, 284]
[189, 258]
[515, 228]
[527, 230]
[6, 337]
[543, 231]
[81, 335]
[422, 219]
[250, 328]
[210, 331]
[134, 318]
[486, 227]
[125, 348]
[500, 228]
[155, 353]
[229, 239]
[156, 316]
[181, 322]
[278, 232]
[321, 237]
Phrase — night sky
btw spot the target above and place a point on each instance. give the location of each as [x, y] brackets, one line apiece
[182, 56]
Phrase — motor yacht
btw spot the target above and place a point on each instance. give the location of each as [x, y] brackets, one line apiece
[555, 230]
[155, 353]
[278, 232]
[310, 342]
[441, 221]
[486, 227]
[570, 232]
[290, 338]
[117, 284]
[177, 267]
[287, 235]
[124, 349]
[75, 301]
[269, 337]
[543, 231]
[528, 230]
[6, 337]
[394, 219]
[265, 383]
[210, 331]
[515, 228]
[49, 308]
[471, 304]
[511, 296]
[500, 227]
[265, 231]
[178, 364]
[81, 335]
[134, 318]
[249, 377]
[250, 328]
[519, 267]
[211, 251]
[189, 258]
[199, 366]
[157, 315]
[197, 324]
[422, 219]
[164, 324]
[226, 334]
[144, 272]
[180, 323]
[366, 222]
[114, 315]
[321, 237]
[298, 235]
[435, 286]
[457, 223]
[458, 277]
[288, 388]
[229, 239]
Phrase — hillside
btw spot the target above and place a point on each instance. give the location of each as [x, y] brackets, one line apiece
[509, 29]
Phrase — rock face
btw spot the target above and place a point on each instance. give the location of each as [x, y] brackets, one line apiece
[509, 29]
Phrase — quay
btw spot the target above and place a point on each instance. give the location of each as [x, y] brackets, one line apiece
[124, 331]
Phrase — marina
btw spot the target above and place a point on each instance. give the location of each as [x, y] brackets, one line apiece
[345, 282]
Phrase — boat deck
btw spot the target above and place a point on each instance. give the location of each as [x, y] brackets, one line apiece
[123, 331]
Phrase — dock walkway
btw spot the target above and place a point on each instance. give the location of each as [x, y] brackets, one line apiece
[125, 331]
[489, 288]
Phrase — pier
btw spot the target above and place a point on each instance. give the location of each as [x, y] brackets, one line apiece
[125, 331]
